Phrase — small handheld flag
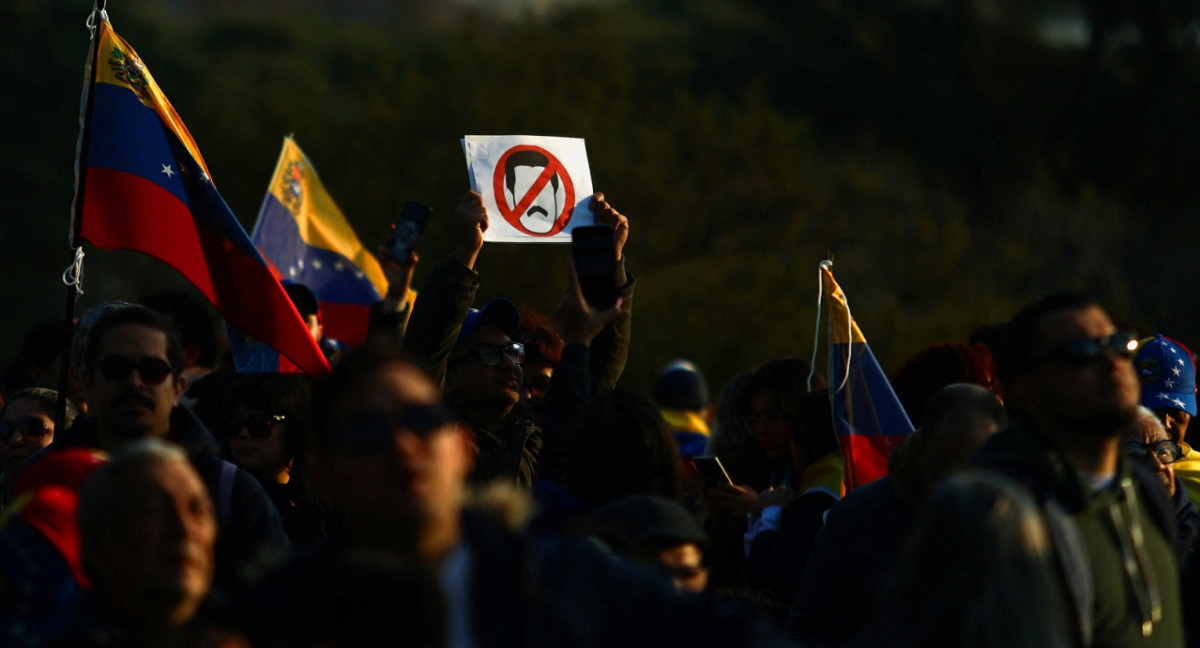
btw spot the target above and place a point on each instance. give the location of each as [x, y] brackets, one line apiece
[869, 418]
[301, 231]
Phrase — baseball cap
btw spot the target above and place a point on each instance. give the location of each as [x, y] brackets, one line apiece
[499, 311]
[1167, 371]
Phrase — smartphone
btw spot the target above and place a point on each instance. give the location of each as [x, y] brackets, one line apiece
[409, 226]
[711, 471]
[595, 257]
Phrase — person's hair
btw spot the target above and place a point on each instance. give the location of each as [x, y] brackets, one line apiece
[810, 421]
[46, 401]
[978, 570]
[622, 447]
[815, 433]
[938, 365]
[141, 316]
[286, 394]
[41, 346]
[1145, 416]
[543, 345]
[303, 299]
[192, 318]
[83, 329]
[1020, 347]
[109, 488]
[730, 440]
[953, 398]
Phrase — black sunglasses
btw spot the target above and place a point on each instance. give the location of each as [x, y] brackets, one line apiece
[259, 426]
[372, 430]
[492, 354]
[152, 370]
[29, 427]
[1166, 451]
[1083, 351]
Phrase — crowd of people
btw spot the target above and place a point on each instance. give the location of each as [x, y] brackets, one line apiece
[475, 475]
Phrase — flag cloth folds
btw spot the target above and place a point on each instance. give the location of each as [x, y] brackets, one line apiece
[869, 418]
[145, 187]
[301, 231]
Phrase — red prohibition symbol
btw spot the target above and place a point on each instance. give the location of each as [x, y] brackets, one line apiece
[530, 213]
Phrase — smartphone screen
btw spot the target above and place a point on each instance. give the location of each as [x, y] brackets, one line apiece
[595, 259]
[409, 226]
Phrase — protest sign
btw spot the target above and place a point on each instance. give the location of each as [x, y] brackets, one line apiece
[536, 189]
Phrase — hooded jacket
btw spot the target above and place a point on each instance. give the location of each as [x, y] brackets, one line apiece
[1088, 528]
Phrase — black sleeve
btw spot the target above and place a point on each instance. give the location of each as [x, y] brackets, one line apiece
[438, 315]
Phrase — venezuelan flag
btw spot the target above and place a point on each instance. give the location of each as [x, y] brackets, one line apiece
[869, 418]
[144, 186]
[301, 231]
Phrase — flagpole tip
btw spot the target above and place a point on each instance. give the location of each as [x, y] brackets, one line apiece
[827, 264]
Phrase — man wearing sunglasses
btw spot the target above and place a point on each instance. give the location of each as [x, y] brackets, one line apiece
[470, 354]
[393, 461]
[132, 364]
[1071, 392]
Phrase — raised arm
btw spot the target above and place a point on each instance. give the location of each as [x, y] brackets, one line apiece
[442, 305]
[610, 347]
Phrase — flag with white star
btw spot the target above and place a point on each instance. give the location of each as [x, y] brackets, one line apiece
[1167, 372]
[145, 187]
[308, 240]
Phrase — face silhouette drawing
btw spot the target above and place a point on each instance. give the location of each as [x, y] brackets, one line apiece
[521, 171]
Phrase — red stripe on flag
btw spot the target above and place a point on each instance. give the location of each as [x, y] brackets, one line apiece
[240, 287]
[867, 456]
[345, 322]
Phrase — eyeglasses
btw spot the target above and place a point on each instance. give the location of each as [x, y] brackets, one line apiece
[1166, 451]
[372, 430]
[1083, 351]
[492, 354]
[259, 426]
[152, 370]
[30, 428]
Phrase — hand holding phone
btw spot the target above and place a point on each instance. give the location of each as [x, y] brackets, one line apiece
[594, 254]
[408, 228]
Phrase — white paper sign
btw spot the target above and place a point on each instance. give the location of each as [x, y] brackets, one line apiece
[536, 189]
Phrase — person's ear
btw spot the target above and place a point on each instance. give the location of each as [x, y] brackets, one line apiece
[180, 387]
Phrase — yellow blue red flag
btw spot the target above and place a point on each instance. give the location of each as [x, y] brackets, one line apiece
[869, 418]
[301, 231]
[144, 186]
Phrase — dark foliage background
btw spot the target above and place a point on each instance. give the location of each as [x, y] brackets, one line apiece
[956, 160]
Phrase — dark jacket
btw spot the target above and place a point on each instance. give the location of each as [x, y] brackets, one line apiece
[249, 528]
[519, 590]
[853, 556]
[516, 450]
[1076, 517]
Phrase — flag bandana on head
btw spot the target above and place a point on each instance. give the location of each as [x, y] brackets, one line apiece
[870, 420]
[144, 186]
